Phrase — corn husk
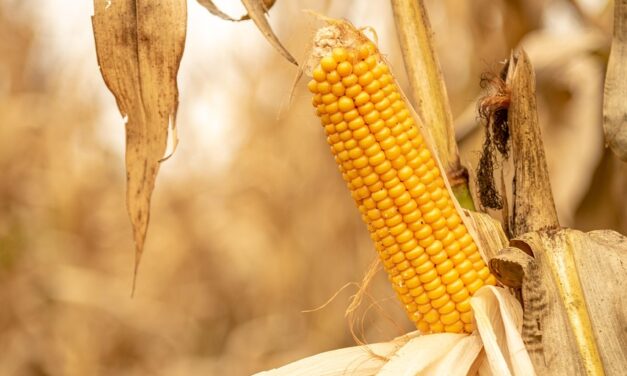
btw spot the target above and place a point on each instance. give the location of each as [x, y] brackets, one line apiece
[495, 349]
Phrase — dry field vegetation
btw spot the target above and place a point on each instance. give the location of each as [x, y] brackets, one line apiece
[251, 224]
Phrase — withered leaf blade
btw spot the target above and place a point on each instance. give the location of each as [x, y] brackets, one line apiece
[139, 44]
[614, 104]
[213, 9]
[257, 11]
[267, 5]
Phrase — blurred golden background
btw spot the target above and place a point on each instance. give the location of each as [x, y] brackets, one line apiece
[251, 224]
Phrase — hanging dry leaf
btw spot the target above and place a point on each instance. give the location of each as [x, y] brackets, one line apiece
[267, 4]
[213, 9]
[256, 11]
[614, 105]
[139, 44]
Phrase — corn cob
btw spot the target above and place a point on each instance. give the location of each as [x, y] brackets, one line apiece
[431, 259]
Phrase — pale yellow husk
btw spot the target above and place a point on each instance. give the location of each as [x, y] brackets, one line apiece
[498, 318]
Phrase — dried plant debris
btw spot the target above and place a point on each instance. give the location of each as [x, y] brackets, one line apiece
[493, 110]
[256, 11]
[139, 45]
[614, 103]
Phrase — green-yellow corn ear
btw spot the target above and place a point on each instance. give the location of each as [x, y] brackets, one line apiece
[431, 259]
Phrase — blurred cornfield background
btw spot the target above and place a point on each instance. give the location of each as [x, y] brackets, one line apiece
[251, 224]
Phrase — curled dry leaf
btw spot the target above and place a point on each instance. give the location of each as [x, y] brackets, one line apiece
[139, 45]
[614, 104]
[256, 11]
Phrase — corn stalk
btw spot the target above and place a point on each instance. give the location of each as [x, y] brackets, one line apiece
[428, 90]
[567, 277]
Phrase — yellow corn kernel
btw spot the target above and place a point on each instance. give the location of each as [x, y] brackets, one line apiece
[450, 318]
[466, 317]
[423, 298]
[431, 316]
[447, 307]
[439, 258]
[430, 257]
[436, 327]
[423, 326]
[440, 302]
[333, 77]
[458, 327]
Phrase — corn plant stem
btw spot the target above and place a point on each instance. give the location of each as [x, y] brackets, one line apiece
[428, 90]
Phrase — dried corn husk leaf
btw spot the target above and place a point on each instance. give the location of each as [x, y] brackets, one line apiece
[430, 351]
[498, 316]
[459, 359]
[357, 360]
[487, 232]
[139, 44]
[614, 104]
[574, 298]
